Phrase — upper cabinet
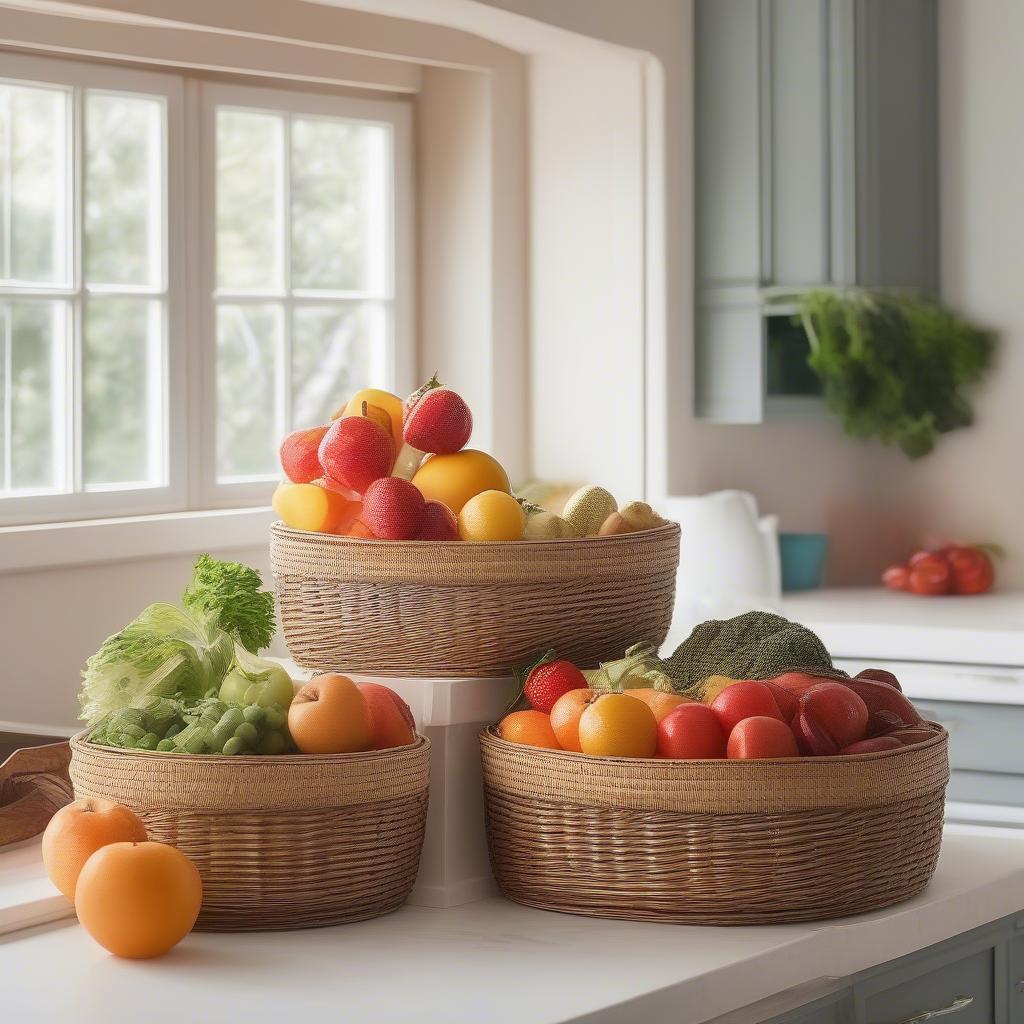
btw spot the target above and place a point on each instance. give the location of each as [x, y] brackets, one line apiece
[816, 164]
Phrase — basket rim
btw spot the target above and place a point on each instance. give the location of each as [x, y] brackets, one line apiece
[490, 734]
[342, 540]
[79, 742]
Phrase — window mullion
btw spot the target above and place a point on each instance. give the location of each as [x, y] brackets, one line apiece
[286, 272]
[74, 423]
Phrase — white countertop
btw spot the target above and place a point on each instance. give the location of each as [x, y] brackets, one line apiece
[496, 961]
[875, 623]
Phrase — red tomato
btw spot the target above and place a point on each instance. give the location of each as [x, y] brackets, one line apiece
[761, 736]
[930, 574]
[972, 570]
[897, 577]
[746, 699]
[691, 731]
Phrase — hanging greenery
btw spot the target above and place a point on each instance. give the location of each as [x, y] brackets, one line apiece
[894, 365]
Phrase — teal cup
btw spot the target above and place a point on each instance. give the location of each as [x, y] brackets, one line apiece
[803, 560]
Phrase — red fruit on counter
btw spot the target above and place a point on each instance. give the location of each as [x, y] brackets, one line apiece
[973, 572]
[551, 680]
[437, 420]
[837, 710]
[746, 699]
[355, 451]
[897, 577]
[761, 737]
[929, 573]
[691, 731]
[299, 455]
[439, 523]
[880, 675]
[392, 508]
[875, 745]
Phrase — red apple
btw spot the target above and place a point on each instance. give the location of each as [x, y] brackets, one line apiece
[745, 699]
[391, 721]
[837, 710]
[691, 731]
[355, 451]
[300, 457]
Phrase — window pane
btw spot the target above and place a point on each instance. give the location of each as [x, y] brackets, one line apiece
[250, 199]
[340, 178]
[336, 350]
[123, 189]
[250, 416]
[32, 397]
[122, 396]
[34, 128]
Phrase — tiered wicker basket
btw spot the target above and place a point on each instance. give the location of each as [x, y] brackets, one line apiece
[291, 841]
[433, 608]
[713, 842]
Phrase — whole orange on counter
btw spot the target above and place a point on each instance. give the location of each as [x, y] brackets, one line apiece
[329, 715]
[618, 725]
[138, 900]
[78, 830]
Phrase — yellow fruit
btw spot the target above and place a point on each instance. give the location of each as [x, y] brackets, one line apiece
[491, 515]
[379, 416]
[641, 516]
[454, 479]
[546, 525]
[615, 524]
[587, 510]
[713, 686]
[390, 403]
[618, 725]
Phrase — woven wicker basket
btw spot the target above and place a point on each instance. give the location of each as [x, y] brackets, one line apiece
[436, 608]
[713, 842]
[280, 842]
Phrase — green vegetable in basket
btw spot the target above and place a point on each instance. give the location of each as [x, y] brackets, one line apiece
[755, 645]
[172, 652]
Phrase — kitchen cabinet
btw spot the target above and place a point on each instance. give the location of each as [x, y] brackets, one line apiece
[975, 978]
[816, 143]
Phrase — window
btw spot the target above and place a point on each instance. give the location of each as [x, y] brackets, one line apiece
[188, 270]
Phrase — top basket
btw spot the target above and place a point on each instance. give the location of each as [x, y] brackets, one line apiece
[440, 608]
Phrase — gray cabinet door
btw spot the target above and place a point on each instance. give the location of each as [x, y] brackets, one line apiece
[963, 989]
[1017, 973]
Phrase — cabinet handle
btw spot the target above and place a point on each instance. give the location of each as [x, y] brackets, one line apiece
[954, 1007]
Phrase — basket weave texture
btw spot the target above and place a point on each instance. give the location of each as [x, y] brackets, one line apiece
[713, 842]
[289, 841]
[440, 608]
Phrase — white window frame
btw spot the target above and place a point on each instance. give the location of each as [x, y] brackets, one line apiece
[398, 287]
[190, 484]
[171, 495]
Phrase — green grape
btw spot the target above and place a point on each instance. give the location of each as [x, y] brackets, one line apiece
[274, 716]
[165, 745]
[248, 734]
[253, 713]
[174, 730]
[136, 732]
[148, 742]
[235, 745]
[231, 719]
[272, 743]
[215, 708]
[122, 740]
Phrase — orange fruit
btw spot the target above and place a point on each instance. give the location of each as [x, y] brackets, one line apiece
[138, 899]
[660, 702]
[78, 830]
[565, 717]
[391, 404]
[618, 725]
[329, 715]
[314, 507]
[532, 728]
[454, 479]
[491, 515]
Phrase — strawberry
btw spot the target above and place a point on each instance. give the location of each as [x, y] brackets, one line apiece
[437, 420]
[551, 680]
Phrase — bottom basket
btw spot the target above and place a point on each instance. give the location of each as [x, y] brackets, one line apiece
[713, 842]
[291, 841]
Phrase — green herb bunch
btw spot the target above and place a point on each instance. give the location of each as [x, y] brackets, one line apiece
[894, 365]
